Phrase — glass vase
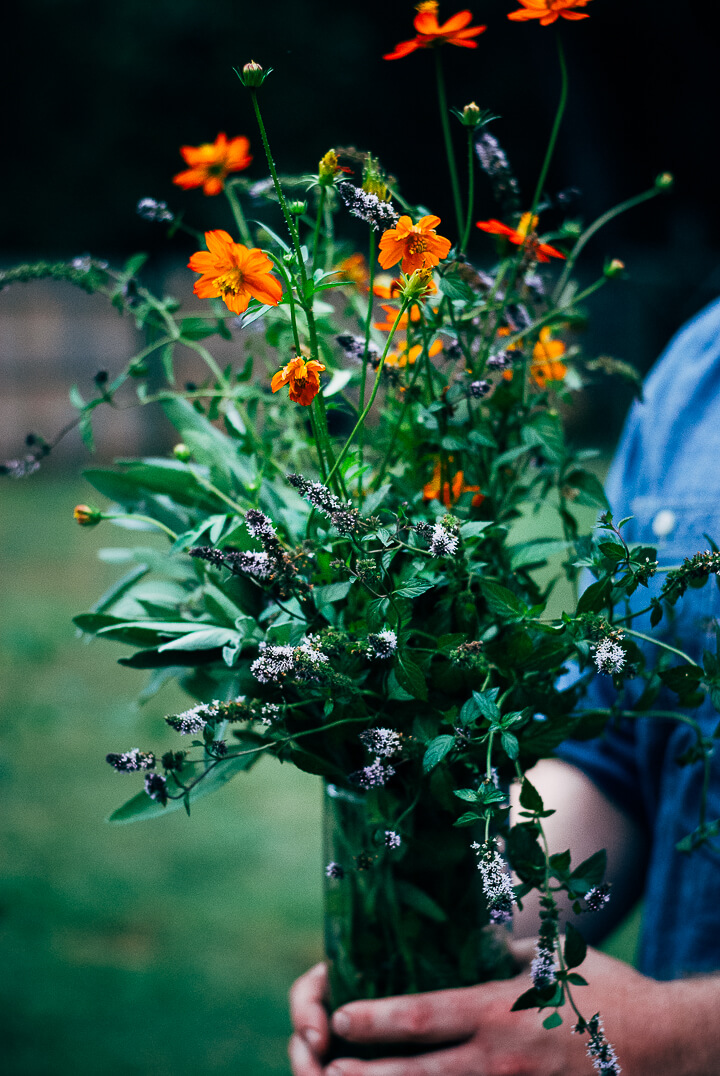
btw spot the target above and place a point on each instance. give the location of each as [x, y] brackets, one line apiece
[404, 909]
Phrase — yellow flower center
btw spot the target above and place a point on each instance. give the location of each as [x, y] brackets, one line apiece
[527, 224]
[427, 7]
[229, 283]
[417, 245]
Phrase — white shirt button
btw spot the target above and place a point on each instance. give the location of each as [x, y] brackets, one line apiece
[664, 523]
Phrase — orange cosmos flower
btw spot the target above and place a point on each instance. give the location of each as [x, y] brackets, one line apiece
[355, 271]
[303, 378]
[451, 491]
[418, 245]
[548, 11]
[523, 234]
[390, 315]
[234, 273]
[545, 365]
[429, 33]
[408, 357]
[212, 162]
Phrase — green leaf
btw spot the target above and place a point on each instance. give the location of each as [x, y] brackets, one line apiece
[591, 870]
[530, 798]
[373, 500]
[414, 589]
[418, 900]
[485, 703]
[575, 979]
[590, 489]
[436, 751]
[333, 592]
[469, 795]
[197, 328]
[410, 677]
[474, 528]
[141, 807]
[575, 946]
[207, 639]
[595, 597]
[531, 999]
[553, 1020]
[470, 818]
[510, 743]
[501, 601]
[337, 382]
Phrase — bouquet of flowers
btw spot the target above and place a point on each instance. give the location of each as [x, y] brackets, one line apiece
[357, 577]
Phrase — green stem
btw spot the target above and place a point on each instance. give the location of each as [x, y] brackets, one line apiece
[363, 372]
[664, 646]
[237, 212]
[589, 232]
[373, 394]
[471, 191]
[318, 222]
[442, 102]
[555, 129]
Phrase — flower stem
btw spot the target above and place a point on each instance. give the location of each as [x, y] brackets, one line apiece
[237, 212]
[373, 394]
[555, 128]
[664, 646]
[316, 233]
[471, 191]
[363, 373]
[442, 102]
[589, 232]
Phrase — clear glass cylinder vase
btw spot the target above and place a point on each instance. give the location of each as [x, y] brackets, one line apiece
[404, 910]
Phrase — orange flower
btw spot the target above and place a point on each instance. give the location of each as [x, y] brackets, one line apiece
[404, 357]
[234, 273]
[453, 32]
[302, 377]
[355, 271]
[545, 366]
[211, 163]
[451, 491]
[548, 11]
[523, 234]
[418, 245]
[390, 315]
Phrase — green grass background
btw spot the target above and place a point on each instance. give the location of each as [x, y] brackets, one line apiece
[151, 949]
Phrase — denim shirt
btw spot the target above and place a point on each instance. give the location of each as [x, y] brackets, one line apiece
[666, 475]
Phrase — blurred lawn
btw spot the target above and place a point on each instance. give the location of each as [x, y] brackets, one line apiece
[156, 948]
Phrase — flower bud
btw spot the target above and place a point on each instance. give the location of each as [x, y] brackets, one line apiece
[252, 75]
[614, 268]
[182, 452]
[418, 284]
[87, 516]
[471, 115]
[664, 181]
[298, 208]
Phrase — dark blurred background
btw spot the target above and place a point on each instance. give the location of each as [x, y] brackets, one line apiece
[104, 94]
[169, 947]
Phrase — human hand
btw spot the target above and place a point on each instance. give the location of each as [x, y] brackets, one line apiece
[484, 1037]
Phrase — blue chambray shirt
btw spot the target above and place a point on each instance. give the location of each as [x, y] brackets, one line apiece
[666, 474]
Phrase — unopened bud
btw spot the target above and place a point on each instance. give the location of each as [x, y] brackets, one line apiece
[252, 75]
[664, 181]
[471, 115]
[182, 452]
[418, 284]
[614, 268]
[87, 516]
[298, 208]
